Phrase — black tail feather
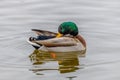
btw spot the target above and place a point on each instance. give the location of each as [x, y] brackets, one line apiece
[36, 47]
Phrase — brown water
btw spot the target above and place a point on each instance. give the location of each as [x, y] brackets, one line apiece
[98, 22]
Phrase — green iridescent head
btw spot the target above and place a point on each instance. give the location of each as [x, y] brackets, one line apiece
[68, 28]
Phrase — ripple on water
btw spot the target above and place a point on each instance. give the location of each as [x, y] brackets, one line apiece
[98, 22]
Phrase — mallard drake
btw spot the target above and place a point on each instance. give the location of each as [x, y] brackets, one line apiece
[67, 39]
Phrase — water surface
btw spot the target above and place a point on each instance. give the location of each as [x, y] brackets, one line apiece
[98, 22]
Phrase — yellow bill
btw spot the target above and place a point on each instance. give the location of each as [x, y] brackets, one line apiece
[59, 35]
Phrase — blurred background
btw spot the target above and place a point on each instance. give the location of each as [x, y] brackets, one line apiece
[98, 22]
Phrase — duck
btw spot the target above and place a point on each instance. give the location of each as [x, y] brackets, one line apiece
[65, 40]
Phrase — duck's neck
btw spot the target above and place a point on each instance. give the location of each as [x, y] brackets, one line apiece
[81, 39]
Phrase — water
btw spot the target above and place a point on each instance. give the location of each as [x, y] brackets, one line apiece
[98, 22]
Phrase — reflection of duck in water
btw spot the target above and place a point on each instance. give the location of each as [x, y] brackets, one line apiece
[67, 61]
[66, 40]
[68, 64]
